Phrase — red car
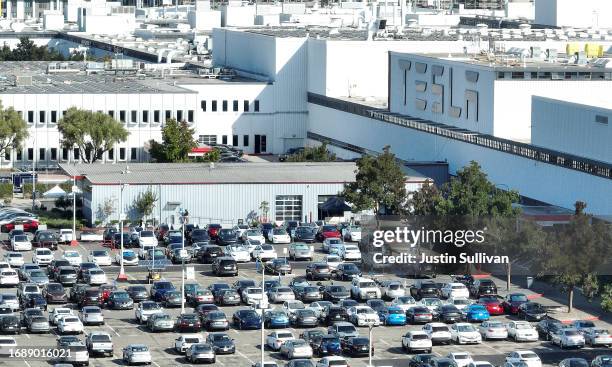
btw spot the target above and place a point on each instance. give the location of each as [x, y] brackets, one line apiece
[213, 230]
[327, 231]
[492, 304]
[513, 301]
[105, 291]
[161, 231]
[29, 225]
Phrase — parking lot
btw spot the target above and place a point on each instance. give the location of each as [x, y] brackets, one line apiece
[124, 329]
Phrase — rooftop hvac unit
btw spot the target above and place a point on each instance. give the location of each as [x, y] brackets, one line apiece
[535, 52]
[551, 55]
[23, 80]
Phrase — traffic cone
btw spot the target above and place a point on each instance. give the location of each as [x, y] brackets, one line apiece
[74, 242]
[122, 277]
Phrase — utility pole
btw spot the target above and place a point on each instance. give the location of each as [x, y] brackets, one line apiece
[122, 276]
[73, 240]
[183, 264]
[263, 289]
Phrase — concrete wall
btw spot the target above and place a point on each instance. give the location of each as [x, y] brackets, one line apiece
[572, 128]
[586, 13]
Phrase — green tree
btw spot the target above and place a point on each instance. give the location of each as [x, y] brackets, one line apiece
[177, 142]
[93, 133]
[313, 154]
[63, 202]
[379, 183]
[606, 298]
[26, 50]
[575, 250]
[426, 200]
[13, 130]
[212, 156]
[145, 203]
[265, 209]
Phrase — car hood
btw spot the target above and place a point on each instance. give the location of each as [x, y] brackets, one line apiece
[223, 343]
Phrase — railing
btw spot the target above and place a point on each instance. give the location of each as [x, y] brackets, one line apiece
[560, 159]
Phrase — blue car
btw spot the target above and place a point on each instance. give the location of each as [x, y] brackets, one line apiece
[160, 288]
[394, 316]
[246, 319]
[326, 345]
[476, 313]
[276, 319]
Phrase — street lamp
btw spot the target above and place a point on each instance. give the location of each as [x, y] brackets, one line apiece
[122, 277]
[183, 219]
[73, 240]
[370, 327]
[261, 305]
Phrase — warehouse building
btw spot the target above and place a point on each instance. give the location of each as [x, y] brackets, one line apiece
[219, 193]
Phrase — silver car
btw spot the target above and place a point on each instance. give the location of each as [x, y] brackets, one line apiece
[39, 324]
[160, 322]
[136, 354]
[200, 352]
[91, 315]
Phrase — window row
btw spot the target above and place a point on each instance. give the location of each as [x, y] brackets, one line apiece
[69, 154]
[224, 106]
[134, 116]
[212, 140]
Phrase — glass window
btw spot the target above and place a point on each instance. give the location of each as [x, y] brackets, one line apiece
[64, 154]
[224, 139]
[30, 154]
[288, 207]
[133, 154]
[207, 139]
[235, 105]
[19, 155]
[245, 140]
[30, 116]
[245, 106]
[122, 115]
[41, 153]
[134, 117]
[224, 106]
[111, 113]
[54, 116]
[7, 155]
[145, 116]
[203, 105]
[76, 153]
[54, 154]
[41, 116]
[122, 154]
[235, 140]
[168, 115]
[214, 106]
[156, 116]
[256, 107]
[111, 154]
[190, 116]
[179, 115]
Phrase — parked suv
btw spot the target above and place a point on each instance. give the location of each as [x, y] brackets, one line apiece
[225, 266]
[425, 289]
[363, 289]
[483, 287]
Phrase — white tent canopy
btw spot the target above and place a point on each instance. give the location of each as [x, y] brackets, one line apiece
[55, 192]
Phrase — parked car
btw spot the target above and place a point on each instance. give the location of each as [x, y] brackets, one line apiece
[532, 311]
[493, 329]
[200, 352]
[416, 341]
[91, 315]
[524, 357]
[483, 287]
[512, 302]
[99, 342]
[522, 331]
[437, 332]
[594, 337]
[476, 313]
[568, 338]
[46, 239]
[136, 354]
[464, 333]
[221, 343]
[225, 266]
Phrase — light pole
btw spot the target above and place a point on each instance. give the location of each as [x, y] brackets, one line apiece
[183, 264]
[122, 277]
[73, 240]
[370, 327]
[263, 289]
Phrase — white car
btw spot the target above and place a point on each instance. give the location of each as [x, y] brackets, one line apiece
[130, 258]
[461, 303]
[393, 290]
[9, 277]
[332, 261]
[335, 248]
[253, 235]
[91, 315]
[69, 324]
[350, 253]
[21, 242]
[363, 289]
[58, 313]
[147, 239]
[438, 332]
[276, 339]
[363, 316]
[328, 242]
[91, 236]
[432, 303]
[335, 361]
[43, 256]
[404, 302]
[100, 257]
[416, 341]
[136, 354]
[492, 329]
[264, 252]
[4, 265]
[525, 356]
[461, 359]
[14, 259]
[146, 309]
[239, 229]
[291, 306]
[455, 290]
[318, 307]
[296, 348]
[480, 364]
[465, 333]
[279, 235]
[352, 233]
[253, 295]
[239, 253]
[568, 338]
[95, 276]
[597, 337]
[73, 257]
[65, 235]
[185, 341]
[522, 331]
[10, 300]
[281, 294]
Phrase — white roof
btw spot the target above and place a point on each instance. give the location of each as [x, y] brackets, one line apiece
[54, 192]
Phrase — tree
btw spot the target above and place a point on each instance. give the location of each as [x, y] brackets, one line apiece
[63, 202]
[13, 130]
[575, 250]
[145, 203]
[265, 209]
[106, 208]
[93, 133]
[379, 184]
[177, 142]
[606, 298]
[426, 200]
[212, 156]
[313, 154]
[26, 50]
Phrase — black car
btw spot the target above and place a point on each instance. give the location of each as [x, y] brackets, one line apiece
[449, 314]
[55, 293]
[225, 266]
[226, 237]
[127, 242]
[425, 289]
[483, 287]
[532, 311]
[109, 234]
[199, 235]
[215, 320]
[309, 335]
[356, 347]
[335, 314]
[77, 291]
[227, 297]
[28, 313]
[34, 300]
[246, 319]
[304, 234]
[547, 327]
[221, 343]
[208, 254]
[138, 293]
[278, 266]
[241, 284]
[120, 300]
[421, 360]
[217, 287]
[205, 308]
[91, 297]
[46, 239]
[54, 266]
[188, 322]
[336, 293]
[266, 228]
[171, 299]
[318, 271]
[346, 271]
[10, 324]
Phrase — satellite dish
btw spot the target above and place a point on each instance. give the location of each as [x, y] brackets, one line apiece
[17, 27]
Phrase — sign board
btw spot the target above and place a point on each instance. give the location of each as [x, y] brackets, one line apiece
[42, 227]
[312, 249]
[122, 216]
[285, 251]
[190, 273]
[19, 227]
[75, 189]
[240, 222]
[184, 254]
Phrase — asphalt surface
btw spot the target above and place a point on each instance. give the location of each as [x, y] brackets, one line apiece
[387, 340]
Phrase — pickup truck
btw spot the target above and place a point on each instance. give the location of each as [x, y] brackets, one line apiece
[99, 342]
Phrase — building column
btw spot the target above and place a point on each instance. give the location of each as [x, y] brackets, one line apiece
[34, 9]
[20, 10]
[9, 9]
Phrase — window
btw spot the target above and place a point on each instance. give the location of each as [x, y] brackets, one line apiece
[518, 75]
[54, 154]
[145, 116]
[122, 115]
[111, 154]
[203, 105]
[30, 116]
[501, 75]
[7, 155]
[30, 154]
[213, 107]
[190, 116]
[64, 154]
[41, 154]
[111, 113]
[122, 154]
[41, 116]
[288, 207]
[245, 106]
[133, 154]
[168, 115]
[207, 139]
[235, 105]
[245, 140]
[19, 155]
[256, 107]
[224, 106]
[134, 117]
[235, 140]
[64, 113]
[179, 115]
[156, 116]
[224, 139]
[75, 154]
[54, 116]
[601, 119]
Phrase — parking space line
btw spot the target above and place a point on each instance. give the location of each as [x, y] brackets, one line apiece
[111, 329]
[490, 347]
[385, 342]
[245, 357]
[155, 363]
[27, 335]
[26, 363]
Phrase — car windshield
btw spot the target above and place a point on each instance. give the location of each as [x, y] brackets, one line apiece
[462, 356]
[523, 326]
[586, 324]
[220, 337]
[99, 253]
[100, 338]
[150, 306]
[329, 229]
[216, 316]
[267, 248]
[146, 234]
[465, 328]
[439, 328]
[406, 300]
[164, 285]
[36, 274]
[92, 310]
[284, 335]
[420, 337]
[395, 311]
[55, 288]
[346, 328]
[71, 254]
[529, 355]
[141, 348]
[301, 247]
[121, 295]
[518, 298]
[306, 313]
[367, 284]
[295, 305]
[21, 238]
[571, 332]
